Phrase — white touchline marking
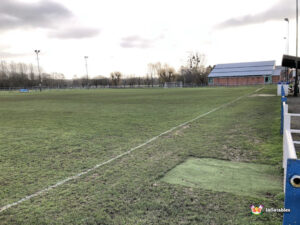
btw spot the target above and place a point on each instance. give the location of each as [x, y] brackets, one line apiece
[117, 157]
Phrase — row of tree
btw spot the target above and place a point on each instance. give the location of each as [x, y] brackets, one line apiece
[20, 75]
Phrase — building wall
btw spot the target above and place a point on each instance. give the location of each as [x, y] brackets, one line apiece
[275, 79]
[249, 80]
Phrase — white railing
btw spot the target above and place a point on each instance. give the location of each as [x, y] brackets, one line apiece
[289, 151]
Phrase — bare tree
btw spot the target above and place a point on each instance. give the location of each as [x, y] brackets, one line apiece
[166, 74]
[115, 78]
[195, 72]
[18, 75]
[196, 60]
[152, 71]
[31, 73]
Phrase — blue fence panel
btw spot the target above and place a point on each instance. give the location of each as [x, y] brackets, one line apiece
[292, 194]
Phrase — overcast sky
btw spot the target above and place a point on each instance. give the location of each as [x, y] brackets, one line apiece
[126, 35]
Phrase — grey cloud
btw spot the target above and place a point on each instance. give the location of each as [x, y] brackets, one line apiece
[6, 53]
[45, 14]
[74, 33]
[136, 41]
[284, 8]
[42, 14]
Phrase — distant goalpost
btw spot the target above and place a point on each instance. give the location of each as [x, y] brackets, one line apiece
[173, 84]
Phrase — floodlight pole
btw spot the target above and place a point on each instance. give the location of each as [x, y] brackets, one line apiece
[86, 67]
[296, 78]
[38, 63]
[287, 46]
[288, 35]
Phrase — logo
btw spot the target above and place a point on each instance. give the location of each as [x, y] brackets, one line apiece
[256, 210]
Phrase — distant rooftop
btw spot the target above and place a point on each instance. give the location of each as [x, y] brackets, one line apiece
[244, 69]
[277, 71]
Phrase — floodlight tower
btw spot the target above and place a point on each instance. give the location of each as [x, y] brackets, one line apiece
[288, 35]
[296, 88]
[287, 45]
[38, 63]
[86, 67]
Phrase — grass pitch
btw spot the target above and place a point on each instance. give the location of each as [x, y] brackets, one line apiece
[49, 136]
[248, 179]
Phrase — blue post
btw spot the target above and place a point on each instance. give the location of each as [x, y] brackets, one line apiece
[283, 99]
[292, 194]
[282, 90]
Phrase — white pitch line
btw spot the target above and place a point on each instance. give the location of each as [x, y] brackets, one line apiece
[117, 157]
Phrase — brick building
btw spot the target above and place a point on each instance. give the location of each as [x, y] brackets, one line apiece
[249, 73]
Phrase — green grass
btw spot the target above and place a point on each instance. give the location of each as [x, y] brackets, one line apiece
[46, 137]
[239, 178]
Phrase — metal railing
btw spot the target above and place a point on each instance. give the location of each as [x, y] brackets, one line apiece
[289, 151]
[290, 164]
